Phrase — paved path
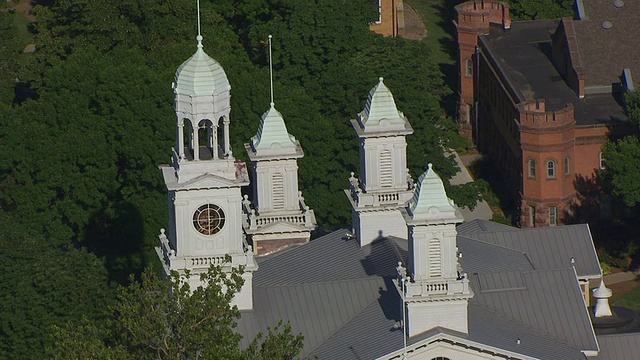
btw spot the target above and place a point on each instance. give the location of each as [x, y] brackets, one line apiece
[482, 209]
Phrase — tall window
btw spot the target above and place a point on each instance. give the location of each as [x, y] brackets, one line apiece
[601, 161]
[278, 191]
[567, 170]
[532, 216]
[469, 64]
[551, 169]
[532, 168]
[553, 216]
[386, 177]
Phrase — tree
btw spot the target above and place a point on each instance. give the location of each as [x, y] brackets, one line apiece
[157, 319]
[622, 157]
[43, 285]
[540, 9]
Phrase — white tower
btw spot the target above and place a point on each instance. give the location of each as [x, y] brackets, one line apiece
[385, 185]
[279, 216]
[205, 202]
[438, 291]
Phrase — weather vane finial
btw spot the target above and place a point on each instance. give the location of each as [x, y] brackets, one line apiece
[199, 37]
[271, 71]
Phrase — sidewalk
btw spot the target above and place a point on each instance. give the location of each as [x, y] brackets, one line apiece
[482, 209]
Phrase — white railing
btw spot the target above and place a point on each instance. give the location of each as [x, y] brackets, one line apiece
[252, 220]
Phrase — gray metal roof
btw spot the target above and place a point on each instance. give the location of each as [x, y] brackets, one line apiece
[485, 257]
[480, 225]
[551, 247]
[547, 301]
[342, 299]
[616, 347]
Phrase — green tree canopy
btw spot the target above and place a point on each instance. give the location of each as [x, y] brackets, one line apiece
[622, 157]
[166, 319]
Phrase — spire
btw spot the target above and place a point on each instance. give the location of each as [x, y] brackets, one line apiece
[381, 109]
[430, 200]
[273, 137]
[271, 71]
[272, 133]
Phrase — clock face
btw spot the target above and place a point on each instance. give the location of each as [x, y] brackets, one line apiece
[208, 219]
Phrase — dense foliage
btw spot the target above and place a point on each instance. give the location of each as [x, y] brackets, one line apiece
[158, 319]
[541, 9]
[622, 157]
[80, 147]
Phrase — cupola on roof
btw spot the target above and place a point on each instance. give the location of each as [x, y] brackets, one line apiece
[272, 133]
[430, 200]
[381, 108]
[201, 75]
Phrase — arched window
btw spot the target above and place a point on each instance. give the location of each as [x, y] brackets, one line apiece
[277, 191]
[205, 139]
[567, 170]
[469, 64]
[532, 168]
[601, 161]
[435, 258]
[551, 169]
[440, 358]
[386, 176]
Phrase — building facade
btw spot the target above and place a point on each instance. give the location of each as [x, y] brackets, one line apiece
[539, 104]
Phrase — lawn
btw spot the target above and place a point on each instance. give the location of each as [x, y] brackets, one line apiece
[438, 16]
[629, 300]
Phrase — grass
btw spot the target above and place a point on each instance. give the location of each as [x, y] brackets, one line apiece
[629, 300]
[438, 16]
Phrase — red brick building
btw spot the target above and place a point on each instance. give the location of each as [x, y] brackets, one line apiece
[539, 98]
[391, 19]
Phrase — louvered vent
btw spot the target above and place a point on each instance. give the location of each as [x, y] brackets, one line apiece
[386, 177]
[278, 191]
[435, 258]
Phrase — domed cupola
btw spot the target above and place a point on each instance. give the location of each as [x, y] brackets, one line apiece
[201, 75]
[202, 97]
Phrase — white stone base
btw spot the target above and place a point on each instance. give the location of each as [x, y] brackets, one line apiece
[372, 225]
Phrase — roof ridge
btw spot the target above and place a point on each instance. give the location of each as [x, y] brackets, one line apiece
[371, 278]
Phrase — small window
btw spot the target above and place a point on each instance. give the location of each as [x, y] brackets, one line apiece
[551, 169]
[469, 67]
[532, 168]
[553, 216]
[567, 170]
[601, 161]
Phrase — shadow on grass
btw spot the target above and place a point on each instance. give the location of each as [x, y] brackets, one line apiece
[495, 191]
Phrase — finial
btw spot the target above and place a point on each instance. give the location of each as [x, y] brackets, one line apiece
[430, 166]
[380, 79]
[198, 7]
[271, 71]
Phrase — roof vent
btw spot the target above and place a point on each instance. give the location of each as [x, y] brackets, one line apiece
[607, 25]
[618, 3]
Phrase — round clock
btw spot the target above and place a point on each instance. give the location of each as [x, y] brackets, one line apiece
[208, 219]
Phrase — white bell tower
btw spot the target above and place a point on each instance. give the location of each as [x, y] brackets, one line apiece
[204, 181]
[384, 185]
[438, 291]
[279, 216]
